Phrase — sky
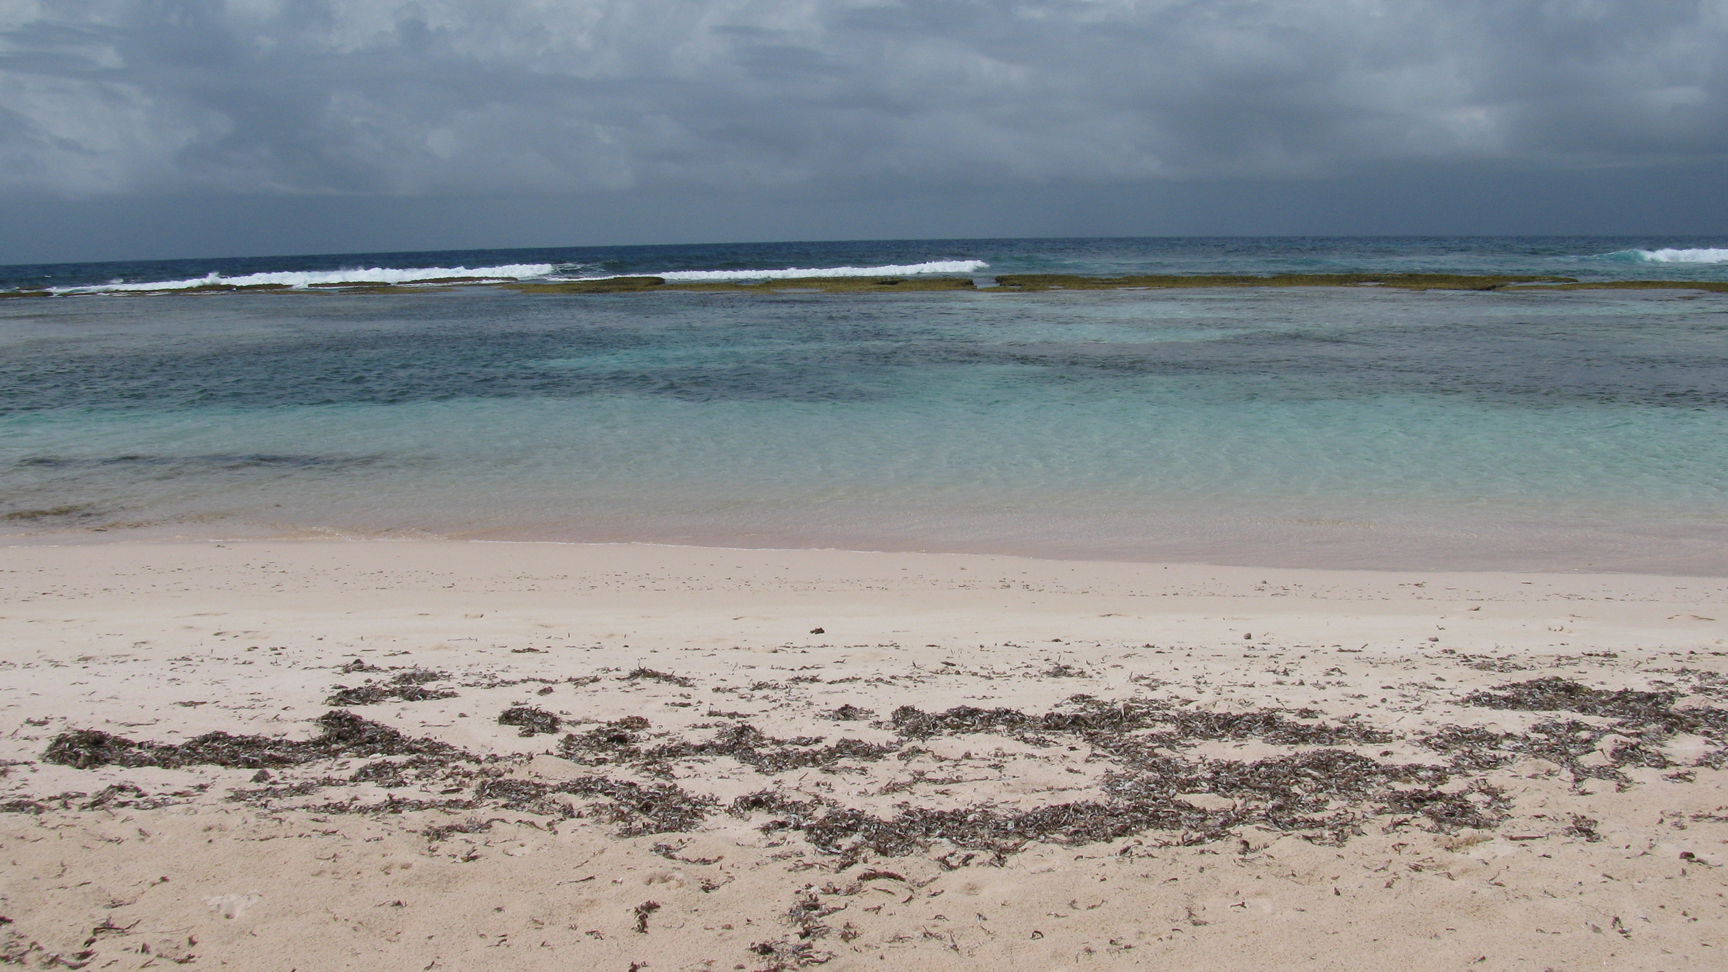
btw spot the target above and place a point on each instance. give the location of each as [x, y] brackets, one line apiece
[181, 128]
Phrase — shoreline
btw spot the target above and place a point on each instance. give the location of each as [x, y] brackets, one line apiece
[1637, 549]
[528, 755]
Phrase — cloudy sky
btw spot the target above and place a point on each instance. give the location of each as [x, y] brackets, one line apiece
[159, 128]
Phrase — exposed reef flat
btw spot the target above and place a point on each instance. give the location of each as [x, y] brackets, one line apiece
[1407, 281]
[1006, 283]
[825, 285]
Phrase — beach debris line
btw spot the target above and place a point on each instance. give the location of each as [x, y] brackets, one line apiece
[1638, 725]
[343, 734]
[1144, 764]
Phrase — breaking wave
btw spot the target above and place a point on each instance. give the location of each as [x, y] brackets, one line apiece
[1698, 255]
[935, 266]
[299, 279]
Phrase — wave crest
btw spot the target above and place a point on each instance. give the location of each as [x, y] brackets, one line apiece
[299, 279]
[1672, 255]
[908, 269]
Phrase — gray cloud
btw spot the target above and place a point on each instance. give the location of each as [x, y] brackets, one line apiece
[764, 103]
[407, 97]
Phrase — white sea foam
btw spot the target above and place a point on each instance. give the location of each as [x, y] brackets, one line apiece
[1699, 255]
[935, 266]
[299, 279]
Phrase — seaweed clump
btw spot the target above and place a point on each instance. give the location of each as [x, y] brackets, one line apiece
[1555, 694]
[1323, 794]
[644, 808]
[619, 742]
[1641, 722]
[343, 734]
[1648, 712]
[407, 686]
[530, 720]
[1106, 724]
[649, 674]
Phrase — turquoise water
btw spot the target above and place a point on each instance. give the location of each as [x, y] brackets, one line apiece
[1304, 426]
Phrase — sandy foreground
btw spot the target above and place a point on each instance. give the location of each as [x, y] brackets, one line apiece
[427, 755]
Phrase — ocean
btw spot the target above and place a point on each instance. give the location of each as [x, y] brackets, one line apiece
[1361, 426]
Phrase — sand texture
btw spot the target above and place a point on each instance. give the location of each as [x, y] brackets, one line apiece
[431, 755]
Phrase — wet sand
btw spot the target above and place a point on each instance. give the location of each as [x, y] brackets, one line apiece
[269, 755]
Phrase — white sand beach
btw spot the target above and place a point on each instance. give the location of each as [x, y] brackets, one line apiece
[762, 759]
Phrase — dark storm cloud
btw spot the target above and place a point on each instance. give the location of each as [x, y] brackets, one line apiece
[392, 97]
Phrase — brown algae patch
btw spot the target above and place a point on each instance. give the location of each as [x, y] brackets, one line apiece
[1407, 281]
[404, 686]
[343, 734]
[1158, 769]
[69, 511]
[824, 285]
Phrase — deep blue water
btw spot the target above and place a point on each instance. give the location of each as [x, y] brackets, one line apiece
[1327, 426]
[1590, 258]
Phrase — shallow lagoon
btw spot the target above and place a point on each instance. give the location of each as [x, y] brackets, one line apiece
[1336, 426]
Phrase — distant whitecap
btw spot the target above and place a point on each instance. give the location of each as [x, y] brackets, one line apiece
[1670, 255]
[298, 279]
[908, 269]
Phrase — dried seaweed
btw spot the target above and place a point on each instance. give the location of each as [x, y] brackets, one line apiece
[1470, 747]
[618, 742]
[396, 771]
[473, 825]
[1165, 724]
[1645, 720]
[405, 686]
[529, 720]
[524, 795]
[641, 809]
[650, 674]
[609, 742]
[766, 754]
[1480, 807]
[1325, 792]
[344, 734]
[807, 911]
[1554, 694]
[783, 955]
[658, 808]
[1152, 779]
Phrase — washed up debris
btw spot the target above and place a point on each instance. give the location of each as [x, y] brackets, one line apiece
[404, 686]
[1141, 766]
[344, 734]
[638, 809]
[650, 674]
[1163, 723]
[1642, 722]
[617, 742]
[1554, 694]
[530, 720]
